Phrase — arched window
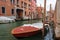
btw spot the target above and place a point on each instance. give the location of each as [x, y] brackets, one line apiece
[17, 1]
[12, 11]
[3, 9]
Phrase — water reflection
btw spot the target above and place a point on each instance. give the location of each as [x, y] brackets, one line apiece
[49, 35]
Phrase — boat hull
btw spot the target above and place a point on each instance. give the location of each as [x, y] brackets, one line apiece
[28, 34]
[27, 31]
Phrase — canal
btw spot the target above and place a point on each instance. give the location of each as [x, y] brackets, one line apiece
[5, 31]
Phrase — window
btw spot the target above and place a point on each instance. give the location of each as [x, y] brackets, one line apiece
[21, 4]
[3, 9]
[25, 5]
[25, 12]
[17, 1]
[29, 7]
[12, 1]
[58, 23]
[12, 11]
[29, 14]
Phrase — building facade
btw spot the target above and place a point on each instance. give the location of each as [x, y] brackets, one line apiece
[50, 15]
[17, 9]
[33, 9]
[5, 8]
[39, 11]
[57, 19]
[57, 13]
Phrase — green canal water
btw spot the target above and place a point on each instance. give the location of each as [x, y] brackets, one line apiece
[5, 31]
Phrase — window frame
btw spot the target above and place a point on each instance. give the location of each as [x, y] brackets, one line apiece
[3, 9]
[12, 11]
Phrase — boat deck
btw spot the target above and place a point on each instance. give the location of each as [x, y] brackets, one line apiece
[24, 29]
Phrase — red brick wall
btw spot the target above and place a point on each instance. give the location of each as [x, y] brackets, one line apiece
[33, 5]
[8, 6]
[39, 11]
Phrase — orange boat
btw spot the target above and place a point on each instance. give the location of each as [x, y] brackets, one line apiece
[25, 31]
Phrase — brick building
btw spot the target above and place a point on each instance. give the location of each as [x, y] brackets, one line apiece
[19, 9]
[39, 11]
[50, 15]
[33, 9]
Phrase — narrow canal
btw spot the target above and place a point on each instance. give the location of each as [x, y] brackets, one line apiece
[5, 32]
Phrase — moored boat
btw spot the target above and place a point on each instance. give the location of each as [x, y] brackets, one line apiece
[25, 31]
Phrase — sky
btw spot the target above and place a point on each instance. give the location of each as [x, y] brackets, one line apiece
[53, 2]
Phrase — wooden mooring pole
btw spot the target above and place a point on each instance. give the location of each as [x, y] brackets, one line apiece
[44, 15]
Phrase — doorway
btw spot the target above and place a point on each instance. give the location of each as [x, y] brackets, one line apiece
[19, 13]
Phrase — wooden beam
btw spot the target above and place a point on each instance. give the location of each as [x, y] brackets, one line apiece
[44, 15]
